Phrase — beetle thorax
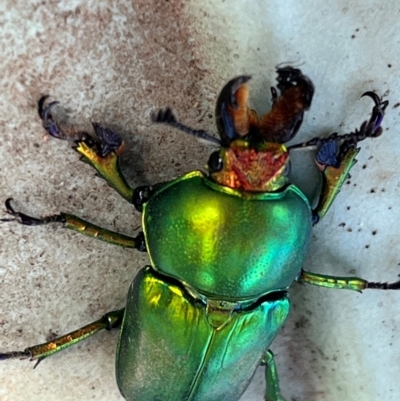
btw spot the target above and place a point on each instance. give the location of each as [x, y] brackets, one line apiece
[259, 168]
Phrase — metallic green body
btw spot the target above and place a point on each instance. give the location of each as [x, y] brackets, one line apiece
[198, 322]
[225, 243]
[171, 348]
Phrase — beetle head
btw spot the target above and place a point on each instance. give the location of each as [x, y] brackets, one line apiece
[261, 168]
[253, 156]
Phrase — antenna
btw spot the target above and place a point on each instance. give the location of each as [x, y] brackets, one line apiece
[165, 116]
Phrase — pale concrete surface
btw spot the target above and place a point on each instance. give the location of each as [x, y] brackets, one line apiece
[116, 61]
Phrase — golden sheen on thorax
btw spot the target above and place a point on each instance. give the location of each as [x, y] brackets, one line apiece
[215, 224]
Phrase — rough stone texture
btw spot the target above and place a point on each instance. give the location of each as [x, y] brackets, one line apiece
[114, 62]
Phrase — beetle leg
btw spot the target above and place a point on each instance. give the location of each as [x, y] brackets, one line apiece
[337, 154]
[273, 392]
[100, 151]
[77, 224]
[38, 352]
[51, 125]
[345, 283]
[333, 180]
[107, 167]
[369, 129]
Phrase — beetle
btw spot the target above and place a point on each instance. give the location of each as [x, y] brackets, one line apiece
[224, 247]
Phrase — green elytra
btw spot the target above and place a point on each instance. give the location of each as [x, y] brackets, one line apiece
[200, 319]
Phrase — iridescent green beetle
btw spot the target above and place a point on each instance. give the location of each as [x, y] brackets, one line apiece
[224, 247]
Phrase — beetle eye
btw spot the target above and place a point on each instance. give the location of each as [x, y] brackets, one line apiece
[215, 162]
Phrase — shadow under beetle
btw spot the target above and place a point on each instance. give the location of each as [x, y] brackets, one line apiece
[224, 247]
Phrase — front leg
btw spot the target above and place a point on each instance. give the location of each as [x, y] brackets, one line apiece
[337, 155]
[101, 152]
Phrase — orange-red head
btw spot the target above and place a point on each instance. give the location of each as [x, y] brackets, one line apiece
[253, 156]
